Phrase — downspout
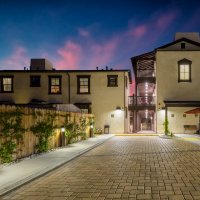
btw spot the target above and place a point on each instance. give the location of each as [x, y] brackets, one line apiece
[124, 103]
[69, 98]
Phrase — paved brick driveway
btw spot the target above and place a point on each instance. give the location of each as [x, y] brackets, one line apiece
[123, 168]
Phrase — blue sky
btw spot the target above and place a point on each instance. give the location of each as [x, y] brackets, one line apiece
[83, 34]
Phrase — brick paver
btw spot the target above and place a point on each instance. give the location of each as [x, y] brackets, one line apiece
[123, 168]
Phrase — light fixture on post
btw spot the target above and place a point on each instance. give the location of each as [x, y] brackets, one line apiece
[62, 136]
[63, 129]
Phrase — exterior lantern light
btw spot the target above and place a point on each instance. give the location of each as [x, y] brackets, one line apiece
[118, 108]
[92, 128]
[62, 129]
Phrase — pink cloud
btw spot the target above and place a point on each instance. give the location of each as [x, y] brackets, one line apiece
[17, 60]
[83, 32]
[138, 31]
[102, 54]
[165, 20]
[70, 56]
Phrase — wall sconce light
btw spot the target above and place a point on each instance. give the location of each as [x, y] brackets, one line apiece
[118, 108]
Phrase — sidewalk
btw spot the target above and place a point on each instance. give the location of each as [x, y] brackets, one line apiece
[17, 174]
[193, 138]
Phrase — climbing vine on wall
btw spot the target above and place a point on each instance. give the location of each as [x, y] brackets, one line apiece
[43, 129]
[11, 133]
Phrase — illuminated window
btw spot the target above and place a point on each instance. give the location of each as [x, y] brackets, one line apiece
[6, 84]
[112, 80]
[34, 81]
[184, 70]
[83, 84]
[54, 84]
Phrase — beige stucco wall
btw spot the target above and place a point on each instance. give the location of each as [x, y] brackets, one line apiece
[168, 87]
[104, 99]
[23, 93]
[176, 123]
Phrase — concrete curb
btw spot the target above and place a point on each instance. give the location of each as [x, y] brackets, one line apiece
[48, 169]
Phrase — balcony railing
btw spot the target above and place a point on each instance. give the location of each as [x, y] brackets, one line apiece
[147, 73]
[142, 101]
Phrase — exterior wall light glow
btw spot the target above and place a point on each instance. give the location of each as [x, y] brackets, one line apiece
[62, 129]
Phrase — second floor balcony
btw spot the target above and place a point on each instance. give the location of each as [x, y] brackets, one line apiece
[142, 102]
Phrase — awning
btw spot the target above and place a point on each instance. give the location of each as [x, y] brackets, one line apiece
[67, 107]
[182, 103]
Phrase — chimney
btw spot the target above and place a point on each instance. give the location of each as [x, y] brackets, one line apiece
[40, 64]
[106, 68]
[189, 35]
[97, 68]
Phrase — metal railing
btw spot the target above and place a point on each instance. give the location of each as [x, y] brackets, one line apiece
[141, 100]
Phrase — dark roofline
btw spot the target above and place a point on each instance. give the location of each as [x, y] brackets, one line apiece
[145, 56]
[182, 103]
[177, 41]
[119, 70]
[68, 71]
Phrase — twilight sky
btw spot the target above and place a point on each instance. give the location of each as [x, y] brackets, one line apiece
[83, 34]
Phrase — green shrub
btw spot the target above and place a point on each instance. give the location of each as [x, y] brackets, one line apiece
[71, 132]
[166, 127]
[6, 151]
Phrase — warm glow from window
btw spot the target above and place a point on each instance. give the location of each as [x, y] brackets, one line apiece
[84, 85]
[55, 87]
[184, 72]
[7, 84]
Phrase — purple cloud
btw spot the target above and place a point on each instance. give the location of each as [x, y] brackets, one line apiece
[16, 60]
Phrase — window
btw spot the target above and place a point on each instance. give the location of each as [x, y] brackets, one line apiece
[85, 107]
[54, 84]
[112, 80]
[34, 81]
[182, 45]
[83, 84]
[6, 84]
[184, 70]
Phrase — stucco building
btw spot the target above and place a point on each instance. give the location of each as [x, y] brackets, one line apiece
[167, 85]
[101, 92]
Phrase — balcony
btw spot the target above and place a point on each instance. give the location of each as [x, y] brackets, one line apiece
[146, 76]
[141, 102]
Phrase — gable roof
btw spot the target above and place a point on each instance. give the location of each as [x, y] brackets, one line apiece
[177, 41]
[145, 60]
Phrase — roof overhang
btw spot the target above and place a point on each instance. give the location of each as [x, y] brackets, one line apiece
[182, 103]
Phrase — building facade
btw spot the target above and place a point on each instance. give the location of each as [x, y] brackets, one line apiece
[101, 92]
[167, 85]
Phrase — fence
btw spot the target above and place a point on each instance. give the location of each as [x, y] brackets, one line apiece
[27, 146]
